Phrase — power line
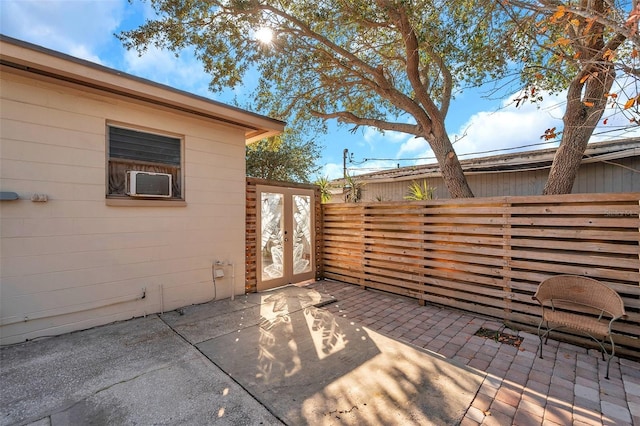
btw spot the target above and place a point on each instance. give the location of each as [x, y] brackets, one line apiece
[460, 155]
[477, 152]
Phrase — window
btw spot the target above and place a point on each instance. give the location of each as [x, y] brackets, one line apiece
[133, 150]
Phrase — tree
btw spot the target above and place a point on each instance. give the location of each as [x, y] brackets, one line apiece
[417, 192]
[390, 64]
[578, 47]
[284, 157]
[325, 189]
[352, 189]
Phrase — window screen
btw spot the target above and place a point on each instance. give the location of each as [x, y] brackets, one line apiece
[140, 146]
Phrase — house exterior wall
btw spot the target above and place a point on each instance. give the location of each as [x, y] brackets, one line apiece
[75, 262]
[598, 177]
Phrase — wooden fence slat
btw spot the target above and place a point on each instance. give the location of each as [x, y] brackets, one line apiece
[605, 222]
[591, 246]
[579, 259]
[489, 255]
[576, 234]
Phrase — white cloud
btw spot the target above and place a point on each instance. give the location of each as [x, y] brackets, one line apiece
[413, 147]
[618, 121]
[155, 64]
[371, 166]
[162, 66]
[375, 140]
[509, 127]
[85, 29]
[84, 52]
[336, 171]
[373, 135]
[514, 128]
[506, 130]
[618, 127]
[332, 171]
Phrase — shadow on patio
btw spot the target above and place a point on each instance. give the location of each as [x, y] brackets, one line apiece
[566, 387]
[357, 360]
[310, 366]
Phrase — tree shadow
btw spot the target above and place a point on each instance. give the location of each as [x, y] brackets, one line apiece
[309, 366]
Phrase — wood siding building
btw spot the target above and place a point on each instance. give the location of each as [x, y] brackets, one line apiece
[77, 251]
[607, 167]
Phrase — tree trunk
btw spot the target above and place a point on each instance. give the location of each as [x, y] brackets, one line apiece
[580, 119]
[450, 166]
[586, 98]
[568, 157]
[565, 165]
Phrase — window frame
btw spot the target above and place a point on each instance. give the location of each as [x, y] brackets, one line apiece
[118, 199]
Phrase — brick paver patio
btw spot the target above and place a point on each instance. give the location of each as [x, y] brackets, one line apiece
[567, 387]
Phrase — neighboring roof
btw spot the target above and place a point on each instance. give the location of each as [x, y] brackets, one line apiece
[520, 161]
[24, 57]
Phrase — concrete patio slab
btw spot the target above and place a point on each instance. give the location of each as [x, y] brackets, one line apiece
[282, 359]
[143, 371]
[133, 372]
[203, 322]
[309, 366]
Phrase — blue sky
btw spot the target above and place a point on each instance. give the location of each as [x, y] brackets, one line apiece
[85, 29]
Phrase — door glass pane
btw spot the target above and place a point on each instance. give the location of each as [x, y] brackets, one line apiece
[272, 220]
[301, 234]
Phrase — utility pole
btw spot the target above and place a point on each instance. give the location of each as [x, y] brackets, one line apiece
[345, 154]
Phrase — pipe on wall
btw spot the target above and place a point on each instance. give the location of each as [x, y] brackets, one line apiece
[59, 312]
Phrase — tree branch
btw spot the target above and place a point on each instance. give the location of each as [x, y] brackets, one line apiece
[349, 117]
[378, 81]
[413, 68]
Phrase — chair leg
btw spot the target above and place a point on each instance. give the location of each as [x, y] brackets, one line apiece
[613, 352]
[540, 335]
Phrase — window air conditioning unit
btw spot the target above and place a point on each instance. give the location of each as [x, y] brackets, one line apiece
[148, 184]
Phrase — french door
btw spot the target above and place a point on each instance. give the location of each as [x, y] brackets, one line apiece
[286, 236]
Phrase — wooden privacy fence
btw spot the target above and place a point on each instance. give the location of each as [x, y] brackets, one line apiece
[488, 255]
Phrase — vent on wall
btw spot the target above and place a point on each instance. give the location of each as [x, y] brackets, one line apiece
[148, 184]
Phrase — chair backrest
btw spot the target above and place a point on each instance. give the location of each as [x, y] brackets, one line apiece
[572, 289]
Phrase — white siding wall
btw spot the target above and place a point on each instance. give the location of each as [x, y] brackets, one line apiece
[62, 261]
